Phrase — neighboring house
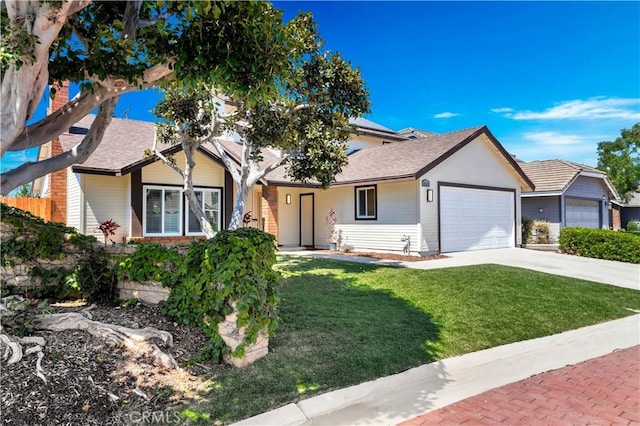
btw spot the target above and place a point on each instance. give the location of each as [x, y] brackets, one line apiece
[567, 194]
[629, 211]
[450, 192]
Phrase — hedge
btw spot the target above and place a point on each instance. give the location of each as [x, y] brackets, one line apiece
[601, 244]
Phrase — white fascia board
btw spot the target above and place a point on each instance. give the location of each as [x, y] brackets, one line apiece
[541, 194]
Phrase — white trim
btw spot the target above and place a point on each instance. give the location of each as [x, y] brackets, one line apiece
[541, 194]
[187, 210]
[162, 209]
[375, 195]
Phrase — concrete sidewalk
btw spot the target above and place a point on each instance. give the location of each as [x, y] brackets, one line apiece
[603, 271]
[401, 397]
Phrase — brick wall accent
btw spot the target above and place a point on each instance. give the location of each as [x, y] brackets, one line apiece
[62, 96]
[58, 179]
[616, 219]
[58, 184]
[166, 240]
[270, 210]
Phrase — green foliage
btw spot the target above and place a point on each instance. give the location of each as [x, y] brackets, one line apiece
[620, 159]
[234, 269]
[527, 229]
[542, 232]
[31, 239]
[150, 262]
[632, 225]
[600, 244]
[20, 320]
[24, 191]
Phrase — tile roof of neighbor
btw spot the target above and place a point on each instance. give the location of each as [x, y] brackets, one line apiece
[405, 159]
[554, 175]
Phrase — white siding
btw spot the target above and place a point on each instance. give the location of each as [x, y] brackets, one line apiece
[74, 200]
[478, 163]
[106, 198]
[362, 142]
[289, 216]
[397, 216]
[206, 172]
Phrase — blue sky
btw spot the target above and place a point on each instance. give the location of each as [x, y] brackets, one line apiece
[549, 79]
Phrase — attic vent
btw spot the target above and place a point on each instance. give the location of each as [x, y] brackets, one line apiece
[78, 130]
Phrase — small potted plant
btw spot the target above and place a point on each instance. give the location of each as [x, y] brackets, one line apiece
[107, 227]
[331, 221]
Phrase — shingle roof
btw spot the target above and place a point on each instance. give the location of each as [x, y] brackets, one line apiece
[124, 142]
[408, 159]
[554, 175]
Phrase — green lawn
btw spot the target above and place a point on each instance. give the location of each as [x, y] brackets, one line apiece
[344, 323]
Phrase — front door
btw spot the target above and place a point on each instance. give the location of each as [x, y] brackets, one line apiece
[306, 220]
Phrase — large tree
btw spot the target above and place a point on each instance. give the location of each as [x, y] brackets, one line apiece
[620, 159]
[115, 47]
[304, 123]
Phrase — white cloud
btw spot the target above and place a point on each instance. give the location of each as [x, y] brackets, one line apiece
[502, 110]
[547, 145]
[446, 115]
[593, 108]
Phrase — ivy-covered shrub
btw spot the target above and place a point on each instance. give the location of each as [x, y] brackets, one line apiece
[27, 239]
[527, 229]
[150, 262]
[601, 244]
[233, 269]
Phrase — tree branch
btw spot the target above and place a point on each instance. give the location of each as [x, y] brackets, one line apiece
[226, 160]
[76, 155]
[82, 104]
[262, 173]
[164, 159]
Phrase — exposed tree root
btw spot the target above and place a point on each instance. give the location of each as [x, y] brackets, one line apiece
[136, 340]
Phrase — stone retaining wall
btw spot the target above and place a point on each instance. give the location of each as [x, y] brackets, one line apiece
[146, 291]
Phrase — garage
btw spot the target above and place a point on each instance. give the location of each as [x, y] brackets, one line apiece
[476, 219]
[581, 213]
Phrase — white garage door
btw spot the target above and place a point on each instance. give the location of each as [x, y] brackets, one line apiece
[582, 213]
[476, 219]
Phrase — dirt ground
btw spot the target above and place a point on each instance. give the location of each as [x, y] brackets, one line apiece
[92, 383]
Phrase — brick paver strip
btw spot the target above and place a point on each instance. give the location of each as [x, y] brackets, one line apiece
[600, 391]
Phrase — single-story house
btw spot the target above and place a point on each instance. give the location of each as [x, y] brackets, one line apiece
[626, 212]
[440, 193]
[567, 194]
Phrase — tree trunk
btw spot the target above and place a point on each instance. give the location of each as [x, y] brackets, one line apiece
[242, 190]
[194, 204]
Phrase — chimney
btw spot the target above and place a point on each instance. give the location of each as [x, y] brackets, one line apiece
[58, 180]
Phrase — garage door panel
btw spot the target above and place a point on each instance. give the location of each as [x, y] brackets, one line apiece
[582, 213]
[476, 219]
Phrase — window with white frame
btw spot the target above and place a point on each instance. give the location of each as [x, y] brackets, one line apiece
[209, 200]
[366, 202]
[162, 210]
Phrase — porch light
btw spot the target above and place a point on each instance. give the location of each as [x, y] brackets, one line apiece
[429, 195]
[288, 198]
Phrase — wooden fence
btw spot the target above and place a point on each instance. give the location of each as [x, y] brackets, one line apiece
[40, 207]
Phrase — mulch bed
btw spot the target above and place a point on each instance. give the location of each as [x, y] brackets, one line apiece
[92, 383]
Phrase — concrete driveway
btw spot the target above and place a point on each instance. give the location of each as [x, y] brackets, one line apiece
[603, 271]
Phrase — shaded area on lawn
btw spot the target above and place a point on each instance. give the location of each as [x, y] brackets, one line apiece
[333, 334]
[344, 323]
